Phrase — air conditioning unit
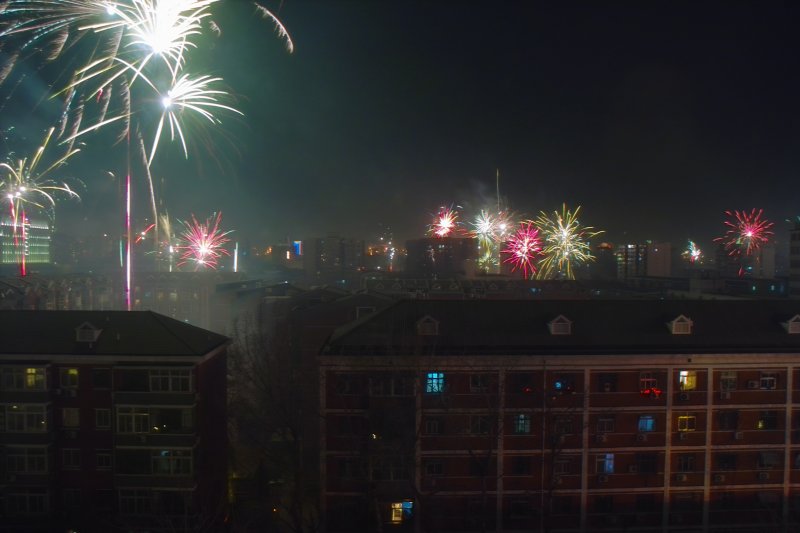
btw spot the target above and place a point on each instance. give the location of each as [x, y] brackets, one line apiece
[683, 435]
[763, 476]
[719, 478]
[641, 437]
[684, 396]
[724, 395]
[602, 437]
[738, 435]
[752, 384]
[602, 478]
[633, 469]
[681, 478]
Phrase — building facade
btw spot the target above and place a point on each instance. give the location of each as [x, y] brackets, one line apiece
[564, 416]
[110, 421]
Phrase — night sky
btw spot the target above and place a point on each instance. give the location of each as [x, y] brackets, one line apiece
[654, 116]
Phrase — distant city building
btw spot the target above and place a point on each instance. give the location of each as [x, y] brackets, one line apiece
[332, 256]
[760, 264]
[631, 261]
[111, 421]
[30, 239]
[659, 259]
[441, 257]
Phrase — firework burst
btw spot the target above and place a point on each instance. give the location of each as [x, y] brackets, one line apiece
[445, 223]
[522, 248]
[491, 228]
[202, 243]
[746, 232]
[692, 253]
[565, 243]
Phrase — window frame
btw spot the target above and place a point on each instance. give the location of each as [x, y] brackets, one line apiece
[687, 423]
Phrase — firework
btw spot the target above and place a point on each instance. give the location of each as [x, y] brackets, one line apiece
[565, 243]
[445, 223]
[746, 232]
[522, 248]
[25, 187]
[692, 252]
[203, 243]
[490, 228]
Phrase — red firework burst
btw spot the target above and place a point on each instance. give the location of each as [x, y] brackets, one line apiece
[444, 225]
[522, 248]
[746, 232]
[202, 243]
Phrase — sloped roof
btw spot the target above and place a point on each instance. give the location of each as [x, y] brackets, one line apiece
[135, 333]
[598, 326]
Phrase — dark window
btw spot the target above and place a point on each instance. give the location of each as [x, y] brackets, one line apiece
[563, 425]
[685, 462]
[646, 503]
[434, 468]
[604, 504]
[134, 380]
[479, 382]
[478, 466]
[434, 426]
[349, 384]
[607, 383]
[647, 463]
[728, 420]
[726, 461]
[479, 425]
[101, 378]
[521, 466]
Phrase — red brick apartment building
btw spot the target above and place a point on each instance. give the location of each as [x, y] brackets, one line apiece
[564, 416]
[110, 421]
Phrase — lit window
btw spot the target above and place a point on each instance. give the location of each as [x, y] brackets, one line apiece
[34, 379]
[69, 378]
[522, 424]
[605, 463]
[647, 381]
[767, 420]
[434, 383]
[402, 511]
[647, 423]
[687, 379]
[20, 378]
[769, 380]
[171, 462]
[687, 423]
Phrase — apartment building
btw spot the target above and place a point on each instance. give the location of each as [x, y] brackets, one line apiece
[110, 420]
[564, 416]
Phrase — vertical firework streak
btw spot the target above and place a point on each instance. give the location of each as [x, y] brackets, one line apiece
[203, 243]
[522, 248]
[565, 243]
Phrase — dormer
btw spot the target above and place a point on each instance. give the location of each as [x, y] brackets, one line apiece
[792, 326]
[681, 325]
[560, 325]
[427, 326]
[86, 332]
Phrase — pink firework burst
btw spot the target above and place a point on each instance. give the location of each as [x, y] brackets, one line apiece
[746, 232]
[202, 243]
[522, 248]
[445, 223]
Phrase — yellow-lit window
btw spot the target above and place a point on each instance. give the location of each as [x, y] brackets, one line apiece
[397, 513]
[69, 377]
[687, 423]
[34, 378]
[687, 379]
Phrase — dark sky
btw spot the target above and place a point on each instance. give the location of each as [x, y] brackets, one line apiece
[654, 116]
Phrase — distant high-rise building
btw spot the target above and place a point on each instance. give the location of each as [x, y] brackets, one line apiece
[30, 239]
[760, 264]
[433, 256]
[631, 261]
[659, 259]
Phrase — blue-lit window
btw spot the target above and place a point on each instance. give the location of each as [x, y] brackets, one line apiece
[522, 424]
[434, 383]
[605, 463]
[647, 423]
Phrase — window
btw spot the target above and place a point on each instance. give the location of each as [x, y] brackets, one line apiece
[71, 417]
[768, 460]
[22, 418]
[563, 425]
[22, 378]
[479, 425]
[402, 511]
[522, 424]
[101, 378]
[728, 420]
[391, 386]
[171, 380]
[521, 466]
[27, 501]
[646, 463]
[349, 384]
[133, 420]
[434, 468]
[171, 462]
[390, 469]
[71, 459]
[769, 380]
[479, 383]
[26, 460]
[647, 423]
[135, 501]
[348, 468]
[562, 467]
[767, 420]
[728, 380]
[685, 462]
[604, 463]
[102, 418]
[647, 381]
[103, 459]
[68, 378]
[607, 383]
[434, 384]
[604, 504]
[434, 426]
[687, 423]
[726, 461]
[687, 380]
[72, 498]
[606, 424]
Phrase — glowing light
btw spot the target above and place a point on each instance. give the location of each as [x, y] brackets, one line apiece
[565, 243]
[522, 248]
[445, 223]
[692, 252]
[746, 232]
[202, 243]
